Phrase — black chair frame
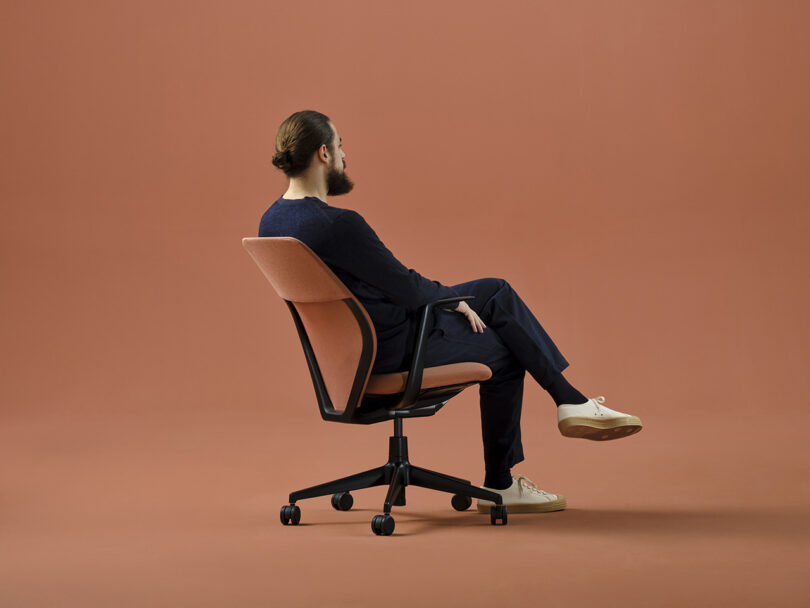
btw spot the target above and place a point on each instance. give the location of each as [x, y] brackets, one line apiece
[397, 473]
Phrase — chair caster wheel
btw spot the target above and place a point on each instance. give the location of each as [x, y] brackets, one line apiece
[461, 502]
[497, 512]
[342, 501]
[290, 514]
[382, 525]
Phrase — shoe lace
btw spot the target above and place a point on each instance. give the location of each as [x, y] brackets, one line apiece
[598, 401]
[527, 484]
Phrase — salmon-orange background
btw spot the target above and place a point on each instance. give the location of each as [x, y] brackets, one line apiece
[638, 171]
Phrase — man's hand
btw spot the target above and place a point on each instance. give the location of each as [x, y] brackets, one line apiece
[475, 321]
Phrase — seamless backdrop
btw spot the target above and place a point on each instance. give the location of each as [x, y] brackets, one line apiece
[636, 170]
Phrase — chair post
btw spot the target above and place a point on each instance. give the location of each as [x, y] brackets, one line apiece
[398, 445]
[398, 468]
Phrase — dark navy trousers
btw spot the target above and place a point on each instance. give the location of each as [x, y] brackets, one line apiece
[512, 343]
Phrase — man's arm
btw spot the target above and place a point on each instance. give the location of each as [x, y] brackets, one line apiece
[360, 252]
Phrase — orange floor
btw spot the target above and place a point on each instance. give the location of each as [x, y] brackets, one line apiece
[174, 509]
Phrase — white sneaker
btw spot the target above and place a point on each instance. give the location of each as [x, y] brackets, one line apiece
[524, 497]
[592, 420]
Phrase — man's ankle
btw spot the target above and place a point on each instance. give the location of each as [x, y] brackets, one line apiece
[498, 480]
[562, 392]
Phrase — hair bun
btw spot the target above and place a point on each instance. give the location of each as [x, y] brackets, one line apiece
[282, 158]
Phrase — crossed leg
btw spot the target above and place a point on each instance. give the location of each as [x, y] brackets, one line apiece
[512, 343]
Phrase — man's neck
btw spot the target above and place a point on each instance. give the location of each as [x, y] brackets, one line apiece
[294, 196]
[300, 188]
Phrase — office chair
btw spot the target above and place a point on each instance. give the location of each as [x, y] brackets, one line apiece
[340, 345]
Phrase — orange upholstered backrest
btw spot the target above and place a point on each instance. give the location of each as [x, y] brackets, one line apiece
[324, 304]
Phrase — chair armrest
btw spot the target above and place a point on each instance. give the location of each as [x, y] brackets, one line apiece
[414, 382]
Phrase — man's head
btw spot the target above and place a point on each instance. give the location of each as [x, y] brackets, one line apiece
[308, 146]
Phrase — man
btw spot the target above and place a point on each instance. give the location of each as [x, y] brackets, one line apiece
[496, 328]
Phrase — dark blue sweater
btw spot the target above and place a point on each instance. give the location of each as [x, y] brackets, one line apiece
[390, 292]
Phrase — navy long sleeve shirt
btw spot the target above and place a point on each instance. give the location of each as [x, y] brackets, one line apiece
[390, 292]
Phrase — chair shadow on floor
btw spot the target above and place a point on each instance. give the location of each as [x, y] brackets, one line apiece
[700, 521]
[704, 522]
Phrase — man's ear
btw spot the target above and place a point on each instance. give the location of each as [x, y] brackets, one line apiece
[323, 153]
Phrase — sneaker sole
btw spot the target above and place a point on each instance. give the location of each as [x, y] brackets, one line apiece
[539, 507]
[600, 430]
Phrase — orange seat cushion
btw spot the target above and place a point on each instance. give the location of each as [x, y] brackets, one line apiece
[439, 375]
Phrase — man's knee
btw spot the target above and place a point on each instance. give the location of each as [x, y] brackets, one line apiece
[495, 283]
[484, 290]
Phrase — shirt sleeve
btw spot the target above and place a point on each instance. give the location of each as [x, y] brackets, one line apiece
[359, 251]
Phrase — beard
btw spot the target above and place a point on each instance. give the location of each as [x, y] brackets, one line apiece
[337, 183]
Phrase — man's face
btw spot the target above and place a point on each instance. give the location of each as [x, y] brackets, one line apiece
[337, 182]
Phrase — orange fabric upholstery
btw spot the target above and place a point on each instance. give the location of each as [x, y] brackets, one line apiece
[336, 340]
[294, 271]
[440, 375]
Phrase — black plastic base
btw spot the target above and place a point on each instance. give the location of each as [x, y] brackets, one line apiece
[396, 474]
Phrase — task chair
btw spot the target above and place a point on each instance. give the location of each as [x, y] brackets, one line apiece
[340, 345]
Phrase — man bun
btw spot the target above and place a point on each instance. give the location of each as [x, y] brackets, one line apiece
[283, 160]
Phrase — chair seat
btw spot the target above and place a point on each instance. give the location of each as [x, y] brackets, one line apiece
[438, 375]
